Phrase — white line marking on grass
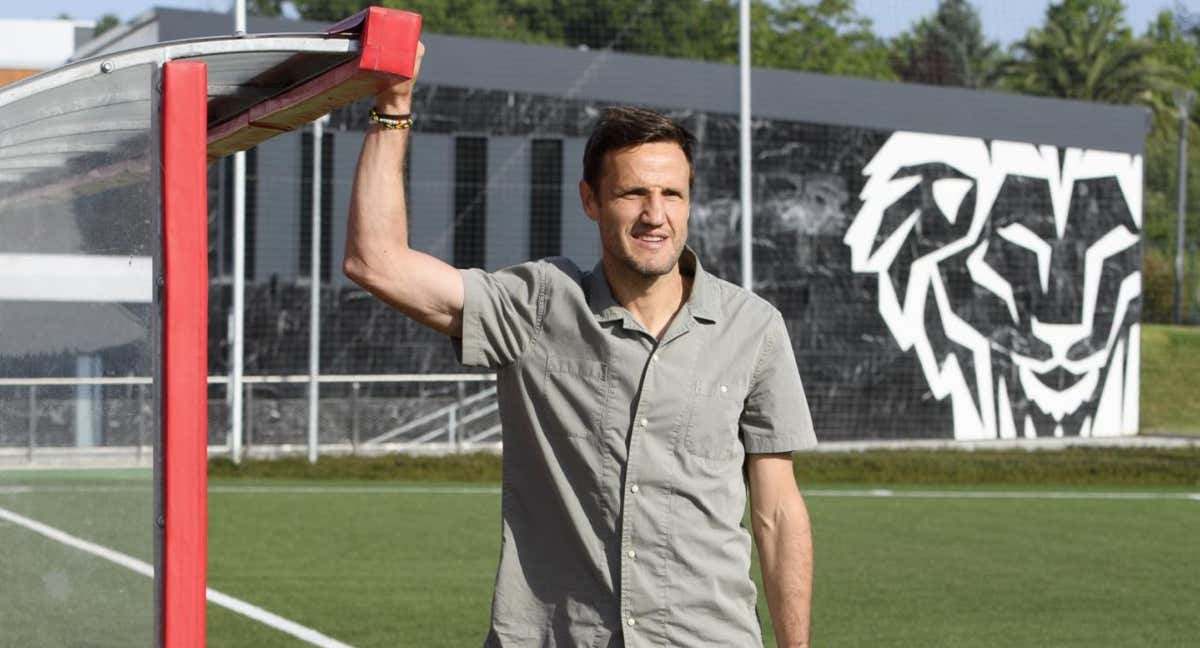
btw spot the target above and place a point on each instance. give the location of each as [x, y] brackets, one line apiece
[15, 490]
[274, 620]
[146, 569]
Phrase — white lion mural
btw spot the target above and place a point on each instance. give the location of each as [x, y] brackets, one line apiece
[1025, 315]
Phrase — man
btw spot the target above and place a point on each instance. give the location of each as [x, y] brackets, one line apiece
[637, 401]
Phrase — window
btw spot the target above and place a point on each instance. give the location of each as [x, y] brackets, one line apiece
[226, 240]
[306, 175]
[470, 201]
[545, 198]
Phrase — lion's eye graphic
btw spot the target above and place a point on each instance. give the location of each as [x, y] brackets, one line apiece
[1018, 234]
[948, 193]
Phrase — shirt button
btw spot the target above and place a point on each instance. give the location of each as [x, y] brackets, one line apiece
[632, 553]
[654, 358]
[631, 622]
[724, 389]
[644, 421]
[634, 488]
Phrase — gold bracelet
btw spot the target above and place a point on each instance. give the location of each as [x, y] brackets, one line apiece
[391, 122]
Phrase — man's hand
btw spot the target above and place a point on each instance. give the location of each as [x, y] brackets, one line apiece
[393, 95]
[784, 538]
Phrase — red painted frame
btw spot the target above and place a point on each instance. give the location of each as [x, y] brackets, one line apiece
[388, 44]
[184, 440]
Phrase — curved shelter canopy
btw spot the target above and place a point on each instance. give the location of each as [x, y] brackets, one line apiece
[103, 302]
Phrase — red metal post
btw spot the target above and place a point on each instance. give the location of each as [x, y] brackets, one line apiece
[184, 441]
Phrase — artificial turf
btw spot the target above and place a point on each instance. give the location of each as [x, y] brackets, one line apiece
[412, 564]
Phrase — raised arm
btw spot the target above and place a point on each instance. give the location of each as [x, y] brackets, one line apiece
[783, 534]
[378, 257]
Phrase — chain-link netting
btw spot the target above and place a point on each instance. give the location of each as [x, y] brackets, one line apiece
[1014, 319]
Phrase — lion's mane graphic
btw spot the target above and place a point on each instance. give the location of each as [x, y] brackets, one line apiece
[1011, 271]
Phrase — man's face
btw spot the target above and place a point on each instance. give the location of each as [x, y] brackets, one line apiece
[641, 204]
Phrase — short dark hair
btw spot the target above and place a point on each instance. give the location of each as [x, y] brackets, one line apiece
[624, 126]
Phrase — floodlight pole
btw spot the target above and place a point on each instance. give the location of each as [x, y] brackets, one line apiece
[1183, 101]
[239, 278]
[314, 303]
[747, 220]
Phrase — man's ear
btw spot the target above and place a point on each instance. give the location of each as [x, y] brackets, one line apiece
[587, 198]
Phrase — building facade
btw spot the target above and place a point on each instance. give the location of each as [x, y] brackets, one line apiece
[950, 263]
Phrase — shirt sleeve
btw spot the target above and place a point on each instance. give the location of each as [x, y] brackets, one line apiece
[502, 313]
[776, 417]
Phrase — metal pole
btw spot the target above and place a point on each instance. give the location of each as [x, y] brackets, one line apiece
[1183, 100]
[33, 421]
[354, 417]
[239, 18]
[239, 277]
[141, 421]
[248, 442]
[314, 295]
[238, 314]
[744, 128]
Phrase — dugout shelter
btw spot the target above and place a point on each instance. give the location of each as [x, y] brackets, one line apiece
[103, 245]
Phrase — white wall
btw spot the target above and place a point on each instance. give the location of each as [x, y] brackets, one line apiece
[36, 44]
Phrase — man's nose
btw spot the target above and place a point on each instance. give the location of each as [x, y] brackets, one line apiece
[654, 209]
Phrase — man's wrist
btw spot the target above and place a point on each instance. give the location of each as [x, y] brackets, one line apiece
[393, 105]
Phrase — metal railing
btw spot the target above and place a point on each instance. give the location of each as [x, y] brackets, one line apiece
[454, 419]
[408, 412]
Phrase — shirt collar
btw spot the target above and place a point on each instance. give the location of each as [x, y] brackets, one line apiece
[701, 302]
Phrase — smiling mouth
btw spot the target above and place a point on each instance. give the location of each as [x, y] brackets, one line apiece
[652, 241]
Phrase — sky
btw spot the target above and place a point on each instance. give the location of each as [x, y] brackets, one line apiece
[1003, 20]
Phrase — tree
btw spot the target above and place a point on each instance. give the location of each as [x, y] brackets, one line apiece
[1086, 51]
[105, 23]
[828, 36]
[947, 48]
[1174, 40]
[265, 7]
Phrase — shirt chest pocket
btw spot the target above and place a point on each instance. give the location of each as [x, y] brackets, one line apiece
[712, 431]
[575, 391]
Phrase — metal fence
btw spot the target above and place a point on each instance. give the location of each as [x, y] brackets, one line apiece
[51, 420]
[491, 181]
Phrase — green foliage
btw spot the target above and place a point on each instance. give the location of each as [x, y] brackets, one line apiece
[105, 23]
[1158, 285]
[1086, 51]
[332, 10]
[478, 467]
[827, 36]
[1174, 39]
[947, 48]
[265, 7]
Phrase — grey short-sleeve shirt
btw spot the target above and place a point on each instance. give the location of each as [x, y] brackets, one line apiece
[623, 485]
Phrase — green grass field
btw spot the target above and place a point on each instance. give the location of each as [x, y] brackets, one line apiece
[405, 563]
[969, 550]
